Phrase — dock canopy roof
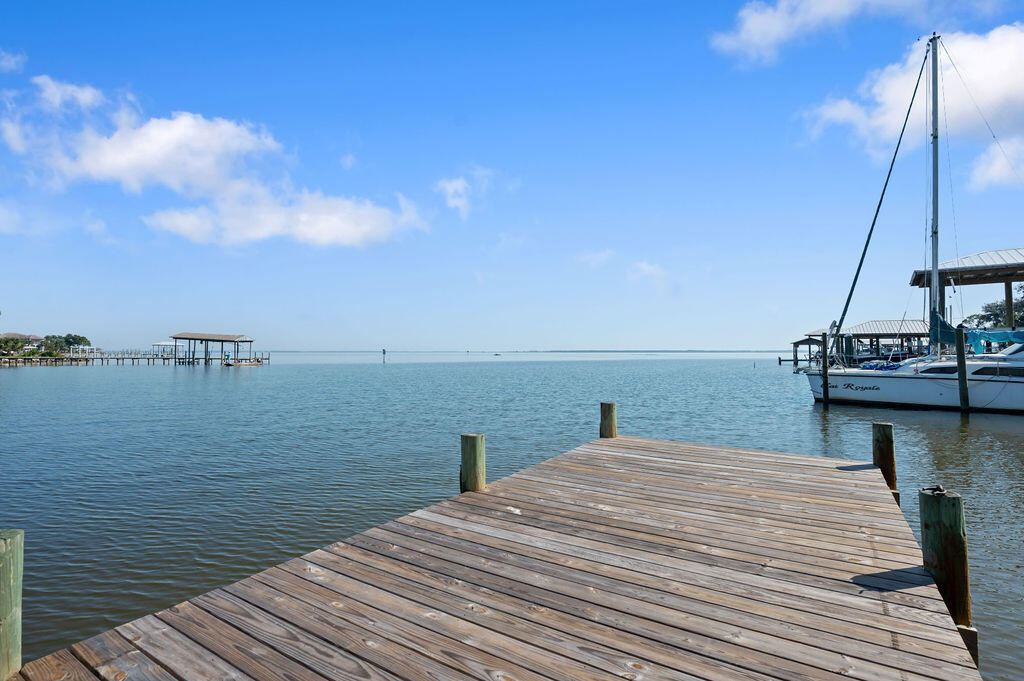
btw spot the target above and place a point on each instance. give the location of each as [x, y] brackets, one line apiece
[213, 337]
[883, 328]
[987, 267]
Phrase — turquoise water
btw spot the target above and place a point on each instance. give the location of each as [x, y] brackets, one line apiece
[141, 486]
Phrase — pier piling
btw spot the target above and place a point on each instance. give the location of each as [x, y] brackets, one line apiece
[944, 549]
[824, 370]
[961, 368]
[609, 426]
[473, 473]
[883, 454]
[12, 552]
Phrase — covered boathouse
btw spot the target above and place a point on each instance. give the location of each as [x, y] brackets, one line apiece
[240, 349]
[1004, 267]
[876, 339]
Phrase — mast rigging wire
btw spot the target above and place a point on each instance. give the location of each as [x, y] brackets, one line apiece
[878, 208]
[980, 113]
[952, 201]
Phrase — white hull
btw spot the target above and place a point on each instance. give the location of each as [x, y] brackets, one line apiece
[891, 388]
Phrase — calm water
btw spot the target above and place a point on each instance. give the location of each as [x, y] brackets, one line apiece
[141, 486]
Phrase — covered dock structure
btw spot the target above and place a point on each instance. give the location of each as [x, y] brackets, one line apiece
[883, 337]
[1004, 266]
[239, 344]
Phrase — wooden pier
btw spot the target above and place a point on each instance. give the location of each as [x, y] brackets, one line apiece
[129, 359]
[625, 558]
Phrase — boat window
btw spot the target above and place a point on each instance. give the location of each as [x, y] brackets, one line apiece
[1000, 371]
[941, 370]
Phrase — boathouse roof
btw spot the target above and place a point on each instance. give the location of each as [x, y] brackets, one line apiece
[987, 267]
[214, 337]
[883, 328]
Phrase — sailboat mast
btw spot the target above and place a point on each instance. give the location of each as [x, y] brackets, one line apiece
[934, 279]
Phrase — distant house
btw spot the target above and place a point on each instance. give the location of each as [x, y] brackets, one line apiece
[32, 342]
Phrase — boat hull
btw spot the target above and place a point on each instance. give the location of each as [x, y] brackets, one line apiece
[887, 388]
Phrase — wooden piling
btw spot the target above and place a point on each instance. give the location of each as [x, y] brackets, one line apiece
[609, 427]
[473, 473]
[883, 453]
[12, 552]
[1008, 290]
[824, 370]
[961, 368]
[944, 549]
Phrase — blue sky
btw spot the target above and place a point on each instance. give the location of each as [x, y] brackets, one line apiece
[469, 176]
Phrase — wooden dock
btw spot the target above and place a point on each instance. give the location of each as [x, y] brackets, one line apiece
[129, 359]
[625, 558]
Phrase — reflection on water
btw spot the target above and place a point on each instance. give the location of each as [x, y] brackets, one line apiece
[141, 486]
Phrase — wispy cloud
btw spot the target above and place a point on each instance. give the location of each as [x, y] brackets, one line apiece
[596, 259]
[55, 94]
[11, 62]
[348, 161]
[97, 229]
[999, 164]
[456, 194]
[648, 271]
[875, 116]
[230, 174]
[462, 191]
[762, 29]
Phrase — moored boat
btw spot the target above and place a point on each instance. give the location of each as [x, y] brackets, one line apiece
[994, 382]
[990, 382]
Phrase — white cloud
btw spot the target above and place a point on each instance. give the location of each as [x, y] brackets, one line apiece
[994, 166]
[11, 61]
[762, 28]
[656, 274]
[482, 178]
[97, 229]
[13, 135]
[459, 192]
[596, 259]
[988, 62]
[218, 166]
[187, 153]
[54, 94]
[251, 213]
[348, 161]
[456, 194]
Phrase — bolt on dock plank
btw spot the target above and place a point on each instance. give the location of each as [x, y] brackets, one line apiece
[624, 558]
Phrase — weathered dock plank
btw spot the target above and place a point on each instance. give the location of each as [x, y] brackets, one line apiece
[624, 558]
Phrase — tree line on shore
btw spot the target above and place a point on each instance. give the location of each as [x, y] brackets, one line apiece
[994, 313]
[52, 345]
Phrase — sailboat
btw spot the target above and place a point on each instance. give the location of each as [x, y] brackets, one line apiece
[994, 382]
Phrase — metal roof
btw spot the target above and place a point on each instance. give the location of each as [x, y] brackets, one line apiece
[214, 337]
[883, 328]
[987, 267]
